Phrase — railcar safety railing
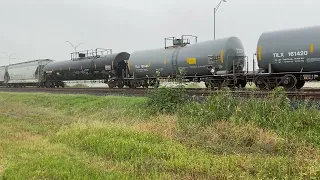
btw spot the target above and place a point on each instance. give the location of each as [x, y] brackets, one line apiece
[91, 53]
[176, 42]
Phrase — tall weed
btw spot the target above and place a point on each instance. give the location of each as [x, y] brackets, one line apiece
[216, 107]
[166, 100]
[273, 112]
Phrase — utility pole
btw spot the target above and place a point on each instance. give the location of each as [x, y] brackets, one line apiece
[9, 57]
[214, 17]
[74, 47]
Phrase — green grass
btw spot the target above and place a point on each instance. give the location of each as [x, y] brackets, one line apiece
[153, 156]
[45, 136]
[273, 113]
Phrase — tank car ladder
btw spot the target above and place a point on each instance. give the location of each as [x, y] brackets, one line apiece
[174, 62]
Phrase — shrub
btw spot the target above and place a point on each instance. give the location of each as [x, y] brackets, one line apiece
[166, 100]
[219, 106]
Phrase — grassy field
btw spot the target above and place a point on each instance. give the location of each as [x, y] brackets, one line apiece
[45, 136]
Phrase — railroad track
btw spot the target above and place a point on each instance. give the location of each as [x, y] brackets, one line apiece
[307, 93]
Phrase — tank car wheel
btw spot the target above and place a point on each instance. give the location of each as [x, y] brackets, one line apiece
[241, 83]
[289, 81]
[62, 84]
[208, 84]
[231, 85]
[49, 84]
[272, 86]
[300, 84]
[226, 83]
[111, 85]
[262, 86]
[134, 85]
[145, 85]
[156, 84]
[260, 83]
[120, 85]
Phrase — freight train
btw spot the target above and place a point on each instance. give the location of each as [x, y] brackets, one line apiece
[285, 58]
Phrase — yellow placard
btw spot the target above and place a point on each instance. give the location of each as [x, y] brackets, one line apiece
[165, 62]
[221, 56]
[191, 60]
[259, 52]
[311, 48]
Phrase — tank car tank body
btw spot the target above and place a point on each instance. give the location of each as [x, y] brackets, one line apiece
[284, 56]
[88, 66]
[209, 60]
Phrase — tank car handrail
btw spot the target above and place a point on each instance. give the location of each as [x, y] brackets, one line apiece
[179, 42]
[195, 37]
[90, 53]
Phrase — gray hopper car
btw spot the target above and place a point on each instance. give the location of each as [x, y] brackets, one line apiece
[3, 71]
[26, 73]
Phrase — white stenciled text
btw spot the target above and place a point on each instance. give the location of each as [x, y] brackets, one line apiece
[278, 55]
[298, 53]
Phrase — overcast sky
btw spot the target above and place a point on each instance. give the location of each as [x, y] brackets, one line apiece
[34, 29]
